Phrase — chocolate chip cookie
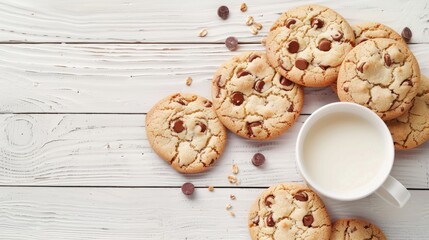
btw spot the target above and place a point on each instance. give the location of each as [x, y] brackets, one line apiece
[411, 129]
[381, 74]
[184, 130]
[371, 30]
[307, 45]
[356, 229]
[253, 100]
[289, 211]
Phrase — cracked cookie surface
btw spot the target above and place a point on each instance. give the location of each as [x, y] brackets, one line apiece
[307, 45]
[411, 129]
[381, 74]
[184, 130]
[289, 211]
[355, 229]
[371, 30]
[252, 99]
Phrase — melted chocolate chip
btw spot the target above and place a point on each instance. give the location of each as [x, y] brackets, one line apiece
[406, 34]
[208, 104]
[307, 220]
[337, 36]
[324, 45]
[180, 101]
[237, 98]
[324, 67]
[301, 196]
[293, 46]
[270, 220]
[346, 89]
[242, 74]
[259, 85]
[301, 63]
[360, 67]
[217, 81]
[202, 126]
[402, 109]
[269, 200]
[188, 188]
[178, 126]
[363, 40]
[290, 109]
[253, 57]
[251, 125]
[258, 159]
[387, 60]
[317, 22]
[255, 220]
[289, 22]
[223, 12]
[285, 82]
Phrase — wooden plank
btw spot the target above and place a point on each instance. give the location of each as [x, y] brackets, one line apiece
[112, 150]
[123, 213]
[161, 21]
[127, 78]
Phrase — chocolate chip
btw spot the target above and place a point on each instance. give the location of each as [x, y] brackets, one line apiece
[285, 82]
[406, 34]
[324, 67]
[255, 220]
[231, 43]
[243, 73]
[252, 125]
[324, 45]
[188, 188]
[307, 220]
[253, 57]
[346, 89]
[208, 104]
[259, 85]
[387, 60]
[180, 101]
[337, 36]
[202, 126]
[223, 12]
[301, 63]
[402, 109]
[270, 220]
[289, 22]
[301, 196]
[317, 22]
[268, 201]
[237, 98]
[360, 67]
[217, 81]
[290, 109]
[178, 126]
[293, 46]
[407, 83]
[258, 159]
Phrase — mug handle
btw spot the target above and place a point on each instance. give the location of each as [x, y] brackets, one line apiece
[393, 192]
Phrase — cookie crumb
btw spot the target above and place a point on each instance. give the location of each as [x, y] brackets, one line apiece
[257, 25]
[211, 188]
[232, 213]
[243, 7]
[189, 81]
[232, 197]
[203, 32]
[249, 21]
[232, 179]
[228, 206]
[234, 168]
[253, 30]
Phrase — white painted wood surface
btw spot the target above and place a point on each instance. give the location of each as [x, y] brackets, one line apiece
[77, 78]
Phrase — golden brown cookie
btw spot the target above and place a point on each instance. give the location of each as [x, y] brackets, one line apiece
[307, 45]
[381, 74]
[184, 130]
[411, 129]
[371, 30]
[356, 229]
[253, 100]
[289, 211]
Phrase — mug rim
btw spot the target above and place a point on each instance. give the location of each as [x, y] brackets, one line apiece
[361, 111]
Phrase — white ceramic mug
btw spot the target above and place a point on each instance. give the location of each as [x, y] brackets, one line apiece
[385, 186]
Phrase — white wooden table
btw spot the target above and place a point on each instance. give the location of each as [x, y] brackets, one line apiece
[77, 78]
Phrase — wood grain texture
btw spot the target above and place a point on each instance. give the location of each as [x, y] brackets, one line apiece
[121, 213]
[115, 78]
[161, 21]
[112, 150]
